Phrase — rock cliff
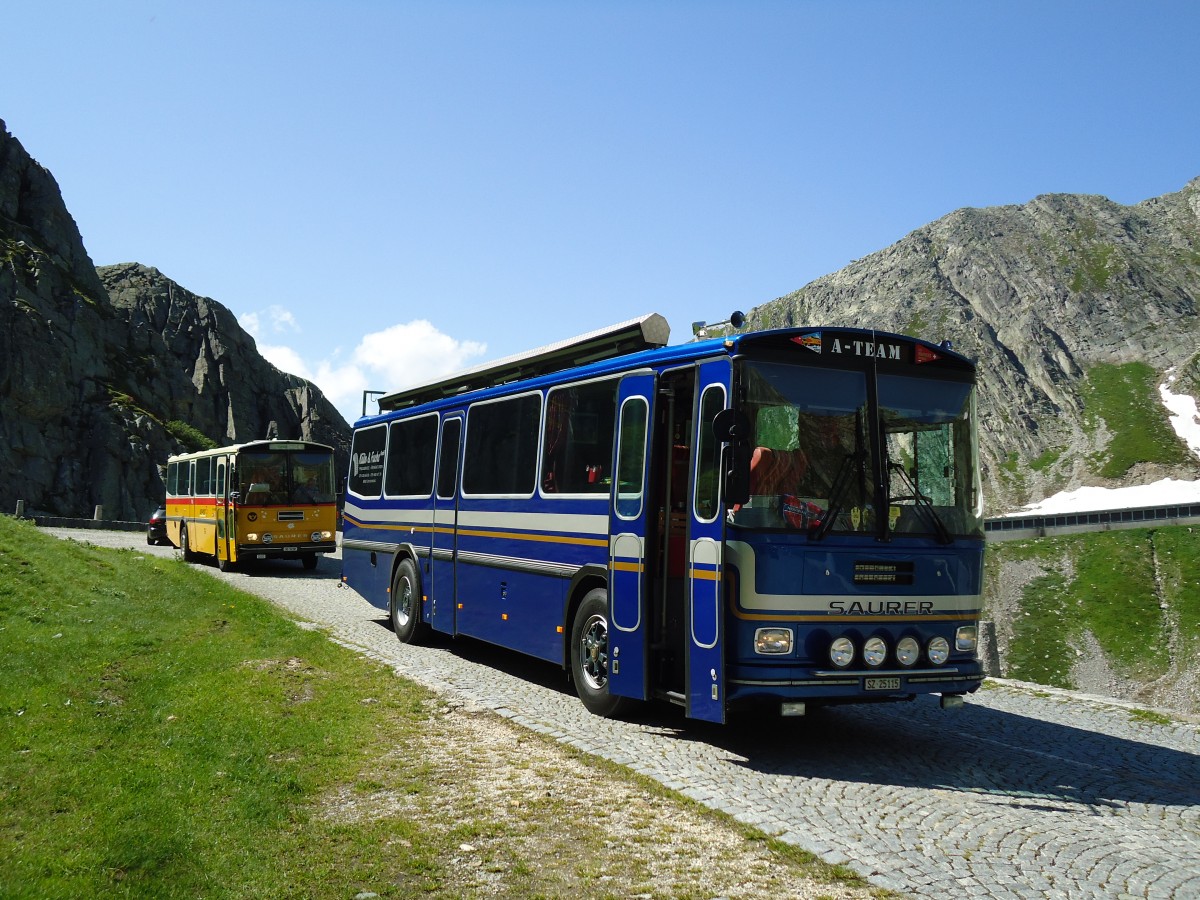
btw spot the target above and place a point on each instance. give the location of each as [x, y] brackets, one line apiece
[104, 373]
[1040, 295]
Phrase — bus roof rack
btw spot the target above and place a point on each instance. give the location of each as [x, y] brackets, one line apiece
[644, 333]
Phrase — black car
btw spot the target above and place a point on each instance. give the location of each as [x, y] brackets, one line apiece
[156, 528]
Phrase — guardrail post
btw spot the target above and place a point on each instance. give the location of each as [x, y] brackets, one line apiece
[99, 516]
[20, 509]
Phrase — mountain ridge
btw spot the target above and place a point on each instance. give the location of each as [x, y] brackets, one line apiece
[1075, 308]
[1039, 294]
[106, 372]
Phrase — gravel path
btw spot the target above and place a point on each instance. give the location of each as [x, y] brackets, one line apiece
[1026, 792]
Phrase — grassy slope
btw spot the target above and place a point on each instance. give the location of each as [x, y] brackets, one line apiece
[1119, 585]
[1126, 398]
[165, 735]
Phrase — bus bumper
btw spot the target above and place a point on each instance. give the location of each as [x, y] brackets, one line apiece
[823, 686]
[283, 551]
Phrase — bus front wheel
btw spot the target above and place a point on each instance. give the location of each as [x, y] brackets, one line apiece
[185, 546]
[404, 604]
[589, 655]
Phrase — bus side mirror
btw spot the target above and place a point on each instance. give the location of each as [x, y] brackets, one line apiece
[737, 474]
[732, 427]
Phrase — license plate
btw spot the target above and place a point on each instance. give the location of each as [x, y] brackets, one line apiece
[882, 684]
[290, 549]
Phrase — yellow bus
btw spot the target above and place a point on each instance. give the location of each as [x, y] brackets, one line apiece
[259, 500]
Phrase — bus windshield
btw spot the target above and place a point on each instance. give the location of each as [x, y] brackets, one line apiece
[932, 466]
[813, 456]
[285, 477]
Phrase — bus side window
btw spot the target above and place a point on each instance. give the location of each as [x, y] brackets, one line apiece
[707, 495]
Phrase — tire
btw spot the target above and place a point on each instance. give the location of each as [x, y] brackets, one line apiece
[589, 656]
[404, 604]
[225, 565]
[184, 547]
[309, 561]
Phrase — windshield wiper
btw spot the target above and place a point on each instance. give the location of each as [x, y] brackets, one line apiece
[841, 480]
[923, 504]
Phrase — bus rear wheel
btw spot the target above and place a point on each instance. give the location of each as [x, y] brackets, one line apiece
[404, 604]
[589, 655]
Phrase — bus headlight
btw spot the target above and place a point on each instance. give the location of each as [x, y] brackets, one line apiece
[907, 651]
[966, 639]
[267, 538]
[315, 536]
[874, 651]
[938, 650]
[773, 641]
[252, 536]
[841, 652]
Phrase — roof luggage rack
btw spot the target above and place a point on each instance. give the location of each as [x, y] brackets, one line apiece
[644, 333]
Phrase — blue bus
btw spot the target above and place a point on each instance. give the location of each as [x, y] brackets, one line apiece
[789, 517]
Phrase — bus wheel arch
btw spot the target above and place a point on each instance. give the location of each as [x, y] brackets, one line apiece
[404, 602]
[589, 654]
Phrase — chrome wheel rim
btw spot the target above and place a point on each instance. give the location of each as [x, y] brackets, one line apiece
[593, 652]
[404, 602]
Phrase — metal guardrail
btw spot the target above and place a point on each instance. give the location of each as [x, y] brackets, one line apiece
[1015, 527]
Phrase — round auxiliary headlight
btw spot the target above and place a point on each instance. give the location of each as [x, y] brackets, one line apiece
[315, 536]
[874, 651]
[267, 538]
[907, 651]
[938, 650]
[841, 652]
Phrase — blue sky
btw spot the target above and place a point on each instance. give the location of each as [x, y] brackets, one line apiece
[385, 191]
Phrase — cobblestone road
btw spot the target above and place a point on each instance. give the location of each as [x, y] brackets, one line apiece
[1023, 793]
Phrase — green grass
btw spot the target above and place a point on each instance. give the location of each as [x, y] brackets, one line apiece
[165, 735]
[1126, 398]
[1105, 583]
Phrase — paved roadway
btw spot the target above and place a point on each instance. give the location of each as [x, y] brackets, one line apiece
[1023, 793]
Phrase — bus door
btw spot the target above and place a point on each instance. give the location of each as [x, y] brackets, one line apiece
[441, 586]
[628, 586]
[704, 590]
[225, 512]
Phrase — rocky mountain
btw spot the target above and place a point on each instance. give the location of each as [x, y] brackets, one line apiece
[104, 373]
[1051, 298]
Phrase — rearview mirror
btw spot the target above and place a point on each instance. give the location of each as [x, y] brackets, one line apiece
[731, 425]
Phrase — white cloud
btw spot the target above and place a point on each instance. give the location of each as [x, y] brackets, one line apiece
[387, 360]
[251, 322]
[281, 320]
[414, 352]
[286, 360]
